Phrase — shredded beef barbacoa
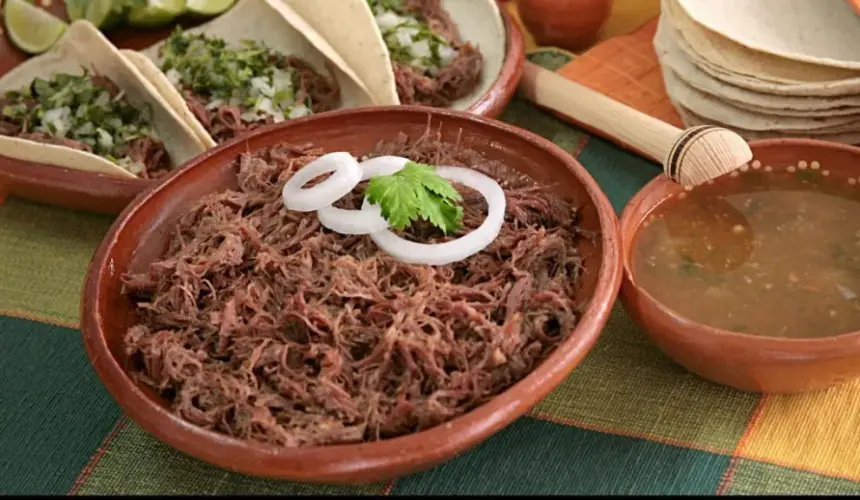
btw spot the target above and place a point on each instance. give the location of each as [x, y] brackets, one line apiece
[146, 150]
[262, 325]
[225, 122]
[453, 81]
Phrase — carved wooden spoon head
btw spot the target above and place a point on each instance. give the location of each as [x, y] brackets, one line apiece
[704, 153]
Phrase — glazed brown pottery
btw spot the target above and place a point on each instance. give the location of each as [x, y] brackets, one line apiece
[140, 234]
[568, 24]
[745, 362]
[91, 192]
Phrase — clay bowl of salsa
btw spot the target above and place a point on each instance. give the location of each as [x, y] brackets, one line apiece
[752, 281]
[312, 314]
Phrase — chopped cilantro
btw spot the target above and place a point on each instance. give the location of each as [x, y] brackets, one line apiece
[81, 108]
[688, 265]
[409, 38]
[250, 75]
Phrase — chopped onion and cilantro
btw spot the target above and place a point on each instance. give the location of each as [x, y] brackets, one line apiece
[84, 109]
[246, 77]
[409, 39]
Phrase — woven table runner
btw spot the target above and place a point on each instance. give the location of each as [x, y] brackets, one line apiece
[627, 421]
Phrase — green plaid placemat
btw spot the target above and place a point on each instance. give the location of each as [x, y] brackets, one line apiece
[627, 421]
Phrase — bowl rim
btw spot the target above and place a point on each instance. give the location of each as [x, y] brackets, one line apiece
[380, 459]
[74, 184]
[493, 101]
[632, 217]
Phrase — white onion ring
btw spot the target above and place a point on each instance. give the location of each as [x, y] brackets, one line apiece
[451, 251]
[346, 176]
[364, 221]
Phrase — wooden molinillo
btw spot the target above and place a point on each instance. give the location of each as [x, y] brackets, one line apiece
[689, 157]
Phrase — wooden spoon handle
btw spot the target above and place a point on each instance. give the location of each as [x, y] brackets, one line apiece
[648, 135]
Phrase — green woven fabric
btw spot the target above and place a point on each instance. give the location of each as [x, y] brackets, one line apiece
[627, 421]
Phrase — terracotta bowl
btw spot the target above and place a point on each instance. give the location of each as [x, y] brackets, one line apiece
[139, 236]
[109, 195]
[745, 362]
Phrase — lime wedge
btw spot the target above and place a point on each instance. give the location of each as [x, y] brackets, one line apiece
[30, 28]
[104, 14]
[76, 9]
[155, 13]
[208, 8]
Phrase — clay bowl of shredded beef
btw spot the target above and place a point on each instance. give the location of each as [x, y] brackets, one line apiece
[246, 335]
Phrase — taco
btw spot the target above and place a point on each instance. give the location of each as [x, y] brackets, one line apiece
[258, 64]
[441, 53]
[83, 106]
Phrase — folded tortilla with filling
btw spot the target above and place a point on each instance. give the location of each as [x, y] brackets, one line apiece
[258, 64]
[441, 53]
[82, 106]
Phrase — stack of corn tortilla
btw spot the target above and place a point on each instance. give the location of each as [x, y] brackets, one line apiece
[764, 68]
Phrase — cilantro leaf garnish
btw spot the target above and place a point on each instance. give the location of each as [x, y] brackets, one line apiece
[416, 192]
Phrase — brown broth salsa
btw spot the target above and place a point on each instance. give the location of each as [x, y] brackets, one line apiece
[766, 253]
